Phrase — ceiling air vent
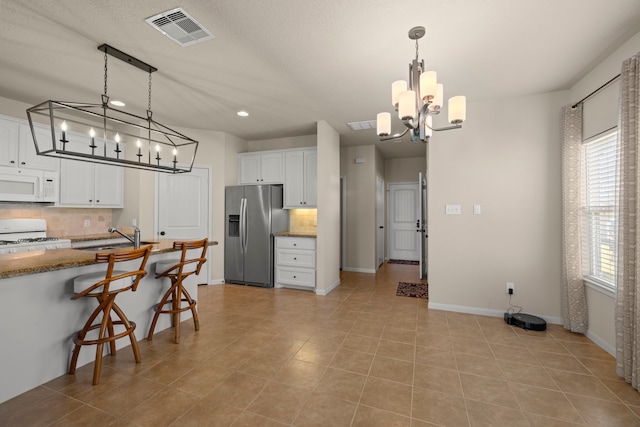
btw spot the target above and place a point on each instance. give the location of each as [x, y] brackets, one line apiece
[369, 124]
[180, 27]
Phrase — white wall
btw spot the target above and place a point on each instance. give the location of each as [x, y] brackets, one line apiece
[360, 235]
[600, 113]
[328, 240]
[404, 170]
[282, 143]
[507, 159]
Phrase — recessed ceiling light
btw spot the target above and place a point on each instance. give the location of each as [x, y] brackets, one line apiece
[243, 113]
[117, 103]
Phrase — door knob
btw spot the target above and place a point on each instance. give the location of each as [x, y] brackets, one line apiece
[162, 233]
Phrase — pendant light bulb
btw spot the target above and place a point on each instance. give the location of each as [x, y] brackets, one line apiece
[397, 88]
[457, 109]
[383, 124]
[407, 105]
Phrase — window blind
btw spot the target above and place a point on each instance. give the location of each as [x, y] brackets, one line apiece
[600, 209]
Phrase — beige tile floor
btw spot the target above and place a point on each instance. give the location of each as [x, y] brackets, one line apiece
[360, 356]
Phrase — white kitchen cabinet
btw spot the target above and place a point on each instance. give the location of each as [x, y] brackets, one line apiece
[85, 184]
[301, 179]
[295, 262]
[17, 148]
[260, 168]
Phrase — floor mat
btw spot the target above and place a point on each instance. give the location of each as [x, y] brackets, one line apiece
[415, 290]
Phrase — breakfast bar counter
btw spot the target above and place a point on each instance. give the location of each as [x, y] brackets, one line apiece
[24, 263]
[39, 319]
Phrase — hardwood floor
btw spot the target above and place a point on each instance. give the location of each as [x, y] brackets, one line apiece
[360, 356]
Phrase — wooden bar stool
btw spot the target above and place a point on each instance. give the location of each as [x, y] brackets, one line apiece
[177, 271]
[105, 287]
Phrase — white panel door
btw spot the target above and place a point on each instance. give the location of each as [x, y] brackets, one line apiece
[183, 208]
[404, 211]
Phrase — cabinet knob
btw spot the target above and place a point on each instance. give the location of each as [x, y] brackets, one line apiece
[22, 163]
[12, 161]
[295, 259]
[294, 277]
[295, 244]
[97, 201]
[90, 200]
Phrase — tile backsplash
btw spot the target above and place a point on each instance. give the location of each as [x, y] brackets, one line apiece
[303, 220]
[62, 222]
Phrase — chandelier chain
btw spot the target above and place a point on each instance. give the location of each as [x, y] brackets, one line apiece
[416, 49]
[149, 106]
[105, 72]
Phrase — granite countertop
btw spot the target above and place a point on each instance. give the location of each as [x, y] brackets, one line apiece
[311, 234]
[24, 263]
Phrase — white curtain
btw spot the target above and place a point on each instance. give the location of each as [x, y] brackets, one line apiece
[573, 298]
[628, 292]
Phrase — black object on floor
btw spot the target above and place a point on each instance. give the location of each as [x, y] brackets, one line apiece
[525, 321]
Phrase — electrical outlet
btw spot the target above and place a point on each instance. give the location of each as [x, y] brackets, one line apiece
[511, 288]
[87, 223]
[134, 222]
[453, 209]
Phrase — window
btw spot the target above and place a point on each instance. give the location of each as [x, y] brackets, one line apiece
[600, 210]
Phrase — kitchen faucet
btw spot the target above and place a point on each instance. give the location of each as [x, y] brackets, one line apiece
[136, 236]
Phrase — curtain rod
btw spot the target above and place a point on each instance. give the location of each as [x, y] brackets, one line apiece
[596, 91]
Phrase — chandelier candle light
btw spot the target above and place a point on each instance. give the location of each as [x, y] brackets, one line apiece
[76, 125]
[419, 100]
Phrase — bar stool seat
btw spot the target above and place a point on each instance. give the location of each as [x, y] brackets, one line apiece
[177, 270]
[105, 287]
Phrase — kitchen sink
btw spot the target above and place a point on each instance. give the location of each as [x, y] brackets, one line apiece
[115, 246]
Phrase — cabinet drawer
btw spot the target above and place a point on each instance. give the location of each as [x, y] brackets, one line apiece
[295, 277]
[296, 258]
[295, 243]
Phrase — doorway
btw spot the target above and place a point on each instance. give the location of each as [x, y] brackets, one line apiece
[183, 207]
[379, 221]
[404, 208]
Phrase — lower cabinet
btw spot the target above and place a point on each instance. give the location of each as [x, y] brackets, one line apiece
[295, 262]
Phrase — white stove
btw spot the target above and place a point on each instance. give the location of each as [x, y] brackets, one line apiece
[25, 235]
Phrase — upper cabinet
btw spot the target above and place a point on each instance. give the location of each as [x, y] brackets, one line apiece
[85, 184]
[17, 148]
[301, 179]
[260, 168]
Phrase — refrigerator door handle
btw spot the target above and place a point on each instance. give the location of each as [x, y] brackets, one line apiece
[246, 222]
[243, 221]
[242, 224]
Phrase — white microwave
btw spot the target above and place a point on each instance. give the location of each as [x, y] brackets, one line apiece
[27, 185]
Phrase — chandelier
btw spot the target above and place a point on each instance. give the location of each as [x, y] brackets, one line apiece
[100, 133]
[417, 102]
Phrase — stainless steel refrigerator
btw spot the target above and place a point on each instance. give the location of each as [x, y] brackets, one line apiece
[252, 214]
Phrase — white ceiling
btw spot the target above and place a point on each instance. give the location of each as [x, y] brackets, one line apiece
[290, 63]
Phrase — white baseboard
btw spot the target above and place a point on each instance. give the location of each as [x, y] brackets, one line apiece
[216, 282]
[359, 270]
[486, 312]
[601, 343]
[323, 292]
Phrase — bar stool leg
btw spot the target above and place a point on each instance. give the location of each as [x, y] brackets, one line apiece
[176, 311]
[192, 305]
[80, 336]
[129, 325]
[158, 310]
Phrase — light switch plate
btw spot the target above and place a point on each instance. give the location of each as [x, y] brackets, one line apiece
[453, 209]
[477, 209]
